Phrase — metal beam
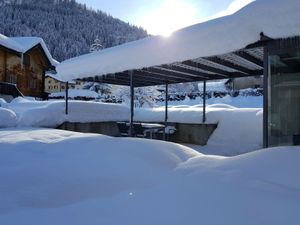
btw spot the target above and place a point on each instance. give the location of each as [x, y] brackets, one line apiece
[161, 78]
[168, 74]
[207, 68]
[119, 79]
[183, 70]
[223, 62]
[137, 80]
[142, 77]
[250, 58]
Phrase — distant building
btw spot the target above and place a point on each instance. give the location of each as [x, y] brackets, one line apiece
[53, 85]
[24, 61]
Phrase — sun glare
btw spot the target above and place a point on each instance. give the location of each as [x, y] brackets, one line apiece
[171, 15]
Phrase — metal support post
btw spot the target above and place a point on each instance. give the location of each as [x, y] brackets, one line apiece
[67, 98]
[131, 131]
[166, 110]
[204, 102]
[265, 98]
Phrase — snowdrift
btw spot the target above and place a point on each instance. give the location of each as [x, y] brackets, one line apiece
[58, 177]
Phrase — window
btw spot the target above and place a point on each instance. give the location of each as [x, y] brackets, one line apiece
[284, 100]
[26, 60]
[11, 78]
[32, 83]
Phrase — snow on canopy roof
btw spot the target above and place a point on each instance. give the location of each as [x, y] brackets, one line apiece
[10, 44]
[275, 18]
[29, 42]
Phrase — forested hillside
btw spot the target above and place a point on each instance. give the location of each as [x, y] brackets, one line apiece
[68, 28]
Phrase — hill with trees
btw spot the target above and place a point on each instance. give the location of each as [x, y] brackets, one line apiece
[68, 28]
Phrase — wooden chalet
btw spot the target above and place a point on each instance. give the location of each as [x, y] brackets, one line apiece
[23, 61]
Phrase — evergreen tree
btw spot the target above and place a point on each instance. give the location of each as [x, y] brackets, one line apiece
[96, 46]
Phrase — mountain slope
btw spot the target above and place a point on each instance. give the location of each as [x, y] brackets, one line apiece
[68, 28]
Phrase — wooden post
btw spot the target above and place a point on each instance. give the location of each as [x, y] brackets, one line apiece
[166, 110]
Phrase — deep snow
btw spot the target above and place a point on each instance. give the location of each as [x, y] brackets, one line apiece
[73, 93]
[242, 124]
[60, 177]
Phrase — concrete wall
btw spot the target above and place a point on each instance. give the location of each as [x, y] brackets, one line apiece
[107, 128]
[185, 133]
[193, 133]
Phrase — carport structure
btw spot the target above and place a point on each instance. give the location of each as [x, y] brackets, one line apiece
[242, 63]
[239, 45]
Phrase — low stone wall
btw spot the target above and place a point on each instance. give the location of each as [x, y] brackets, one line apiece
[192, 133]
[107, 128]
[185, 133]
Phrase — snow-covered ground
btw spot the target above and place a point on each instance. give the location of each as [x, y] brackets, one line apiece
[239, 129]
[59, 177]
[73, 93]
[239, 102]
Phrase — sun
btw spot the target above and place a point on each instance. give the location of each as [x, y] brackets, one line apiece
[169, 16]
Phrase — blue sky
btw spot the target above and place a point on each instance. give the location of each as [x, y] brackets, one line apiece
[164, 16]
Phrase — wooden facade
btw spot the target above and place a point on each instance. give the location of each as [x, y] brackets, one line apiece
[26, 70]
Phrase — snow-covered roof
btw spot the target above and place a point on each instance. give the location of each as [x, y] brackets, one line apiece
[10, 44]
[275, 18]
[23, 44]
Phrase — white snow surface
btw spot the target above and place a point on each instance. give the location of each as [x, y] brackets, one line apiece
[29, 42]
[59, 177]
[52, 113]
[73, 93]
[239, 129]
[275, 18]
[8, 43]
[8, 118]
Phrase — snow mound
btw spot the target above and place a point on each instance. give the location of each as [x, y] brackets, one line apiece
[57, 168]
[239, 131]
[222, 106]
[73, 93]
[58, 177]
[52, 113]
[2, 101]
[20, 100]
[7, 118]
